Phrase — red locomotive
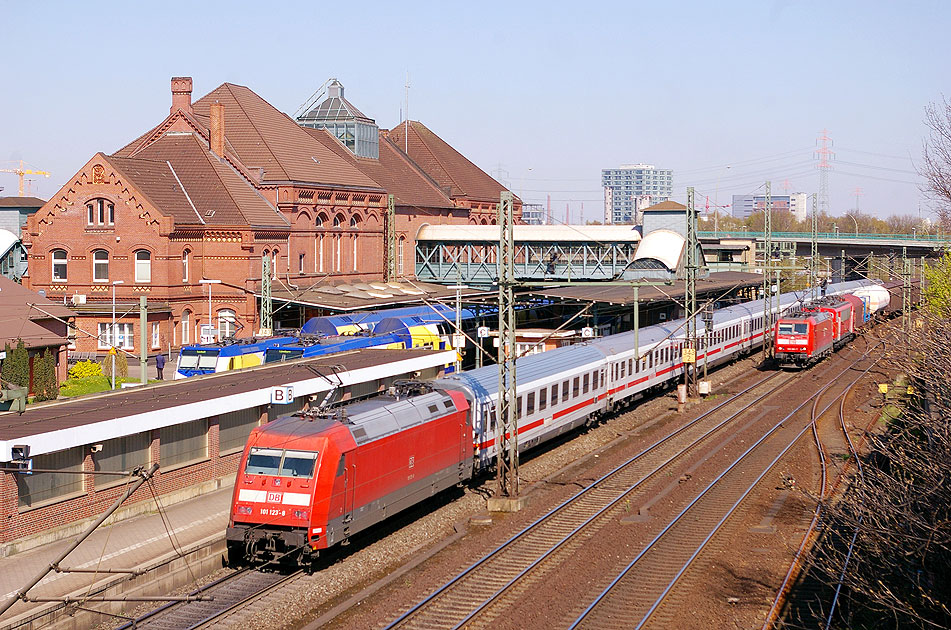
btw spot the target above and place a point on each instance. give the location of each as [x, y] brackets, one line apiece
[804, 338]
[310, 480]
[843, 322]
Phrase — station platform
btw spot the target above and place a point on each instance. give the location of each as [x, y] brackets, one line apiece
[128, 544]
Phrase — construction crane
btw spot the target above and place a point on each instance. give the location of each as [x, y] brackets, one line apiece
[21, 172]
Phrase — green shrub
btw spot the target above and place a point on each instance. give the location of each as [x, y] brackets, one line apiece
[84, 369]
[16, 367]
[44, 377]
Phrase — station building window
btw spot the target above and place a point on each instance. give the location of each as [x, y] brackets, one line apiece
[235, 427]
[59, 264]
[183, 443]
[226, 324]
[42, 487]
[143, 266]
[122, 453]
[100, 212]
[100, 265]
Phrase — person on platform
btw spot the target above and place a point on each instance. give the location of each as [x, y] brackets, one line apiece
[160, 365]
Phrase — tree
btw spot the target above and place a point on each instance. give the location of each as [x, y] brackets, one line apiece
[16, 367]
[936, 162]
[45, 386]
[937, 290]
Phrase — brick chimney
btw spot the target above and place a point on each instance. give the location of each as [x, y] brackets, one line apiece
[217, 128]
[181, 94]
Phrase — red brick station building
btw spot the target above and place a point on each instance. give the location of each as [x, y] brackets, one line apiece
[225, 181]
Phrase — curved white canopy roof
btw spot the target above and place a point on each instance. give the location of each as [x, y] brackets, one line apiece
[663, 245]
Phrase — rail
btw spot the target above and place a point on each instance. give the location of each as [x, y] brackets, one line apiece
[602, 599]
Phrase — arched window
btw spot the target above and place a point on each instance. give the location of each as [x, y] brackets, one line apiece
[337, 221]
[100, 212]
[186, 324]
[185, 265]
[143, 266]
[226, 324]
[399, 257]
[59, 264]
[100, 266]
[319, 221]
[353, 241]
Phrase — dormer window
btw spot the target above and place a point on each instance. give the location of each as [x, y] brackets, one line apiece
[100, 212]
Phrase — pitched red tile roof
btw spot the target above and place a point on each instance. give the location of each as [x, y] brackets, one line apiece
[21, 202]
[218, 192]
[453, 172]
[23, 317]
[666, 205]
[263, 137]
[393, 171]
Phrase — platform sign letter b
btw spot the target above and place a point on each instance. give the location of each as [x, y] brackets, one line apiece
[283, 395]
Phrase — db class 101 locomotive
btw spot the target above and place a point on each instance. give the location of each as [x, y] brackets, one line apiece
[311, 480]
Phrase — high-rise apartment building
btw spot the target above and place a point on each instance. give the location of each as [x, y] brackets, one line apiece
[745, 205]
[633, 187]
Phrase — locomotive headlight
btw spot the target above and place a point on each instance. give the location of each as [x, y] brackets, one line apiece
[243, 509]
[302, 514]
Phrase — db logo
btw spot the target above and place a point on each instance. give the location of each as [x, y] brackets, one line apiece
[274, 497]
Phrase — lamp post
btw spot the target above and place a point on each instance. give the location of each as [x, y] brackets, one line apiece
[855, 222]
[113, 349]
[209, 283]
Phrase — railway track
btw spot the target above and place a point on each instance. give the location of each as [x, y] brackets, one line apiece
[473, 598]
[644, 593]
[221, 597]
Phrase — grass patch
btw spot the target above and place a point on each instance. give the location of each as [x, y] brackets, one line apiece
[89, 385]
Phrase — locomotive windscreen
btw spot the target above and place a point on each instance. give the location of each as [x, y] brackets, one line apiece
[274, 461]
[298, 464]
[791, 328]
[263, 461]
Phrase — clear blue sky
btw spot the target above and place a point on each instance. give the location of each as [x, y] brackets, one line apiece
[545, 94]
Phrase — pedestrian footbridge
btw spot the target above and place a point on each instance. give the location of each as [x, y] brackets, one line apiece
[469, 253]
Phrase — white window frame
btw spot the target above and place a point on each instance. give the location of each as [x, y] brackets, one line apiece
[227, 316]
[96, 262]
[185, 265]
[186, 324]
[143, 268]
[156, 336]
[64, 262]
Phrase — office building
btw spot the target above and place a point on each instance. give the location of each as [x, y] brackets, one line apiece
[633, 187]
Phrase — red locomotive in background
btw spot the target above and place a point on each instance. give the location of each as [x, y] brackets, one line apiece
[818, 329]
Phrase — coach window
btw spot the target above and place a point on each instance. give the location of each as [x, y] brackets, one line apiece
[182, 444]
[518, 407]
[630, 366]
[586, 383]
[143, 266]
[100, 266]
[542, 398]
[554, 394]
[59, 264]
[530, 404]
[622, 372]
[564, 391]
[576, 387]
[39, 488]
